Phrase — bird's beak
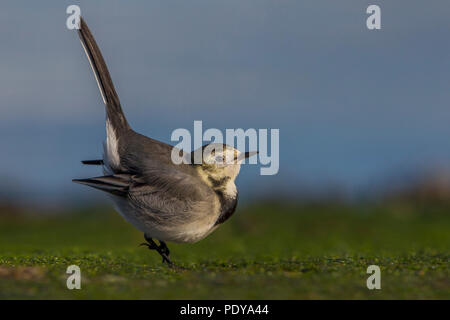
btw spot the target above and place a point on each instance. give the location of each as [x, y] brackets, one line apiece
[245, 155]
[249, 154]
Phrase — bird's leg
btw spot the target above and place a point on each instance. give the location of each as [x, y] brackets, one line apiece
[162, 249]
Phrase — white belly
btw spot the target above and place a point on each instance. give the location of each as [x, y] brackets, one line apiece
[189, 231]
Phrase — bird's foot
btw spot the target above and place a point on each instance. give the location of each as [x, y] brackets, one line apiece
[162, 249]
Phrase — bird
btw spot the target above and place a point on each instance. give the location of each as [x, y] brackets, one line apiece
[167, 202]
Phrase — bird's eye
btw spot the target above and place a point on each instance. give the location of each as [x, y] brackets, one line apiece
[220, 159]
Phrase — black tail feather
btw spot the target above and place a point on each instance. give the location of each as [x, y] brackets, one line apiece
[116, 184]
[113, 108]
[93, 162]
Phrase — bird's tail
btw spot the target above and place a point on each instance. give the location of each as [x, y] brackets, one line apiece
[114, 111]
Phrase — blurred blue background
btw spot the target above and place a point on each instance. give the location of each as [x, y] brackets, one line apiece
[354, 106]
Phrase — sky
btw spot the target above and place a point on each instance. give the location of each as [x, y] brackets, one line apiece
[353, 105]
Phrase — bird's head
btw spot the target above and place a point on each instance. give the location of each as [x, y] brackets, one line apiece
[220, 164]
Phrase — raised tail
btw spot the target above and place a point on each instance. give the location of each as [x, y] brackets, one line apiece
[114, 111]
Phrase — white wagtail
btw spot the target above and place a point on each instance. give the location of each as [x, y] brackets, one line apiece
[165, 201]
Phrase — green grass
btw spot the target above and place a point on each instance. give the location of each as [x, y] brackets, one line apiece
[262, 252]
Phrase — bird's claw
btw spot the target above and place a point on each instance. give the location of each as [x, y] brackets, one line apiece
[162, 249]
[151, 246]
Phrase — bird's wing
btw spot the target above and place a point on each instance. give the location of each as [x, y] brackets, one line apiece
[173, 198]
[175, 184]
[164, 191]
